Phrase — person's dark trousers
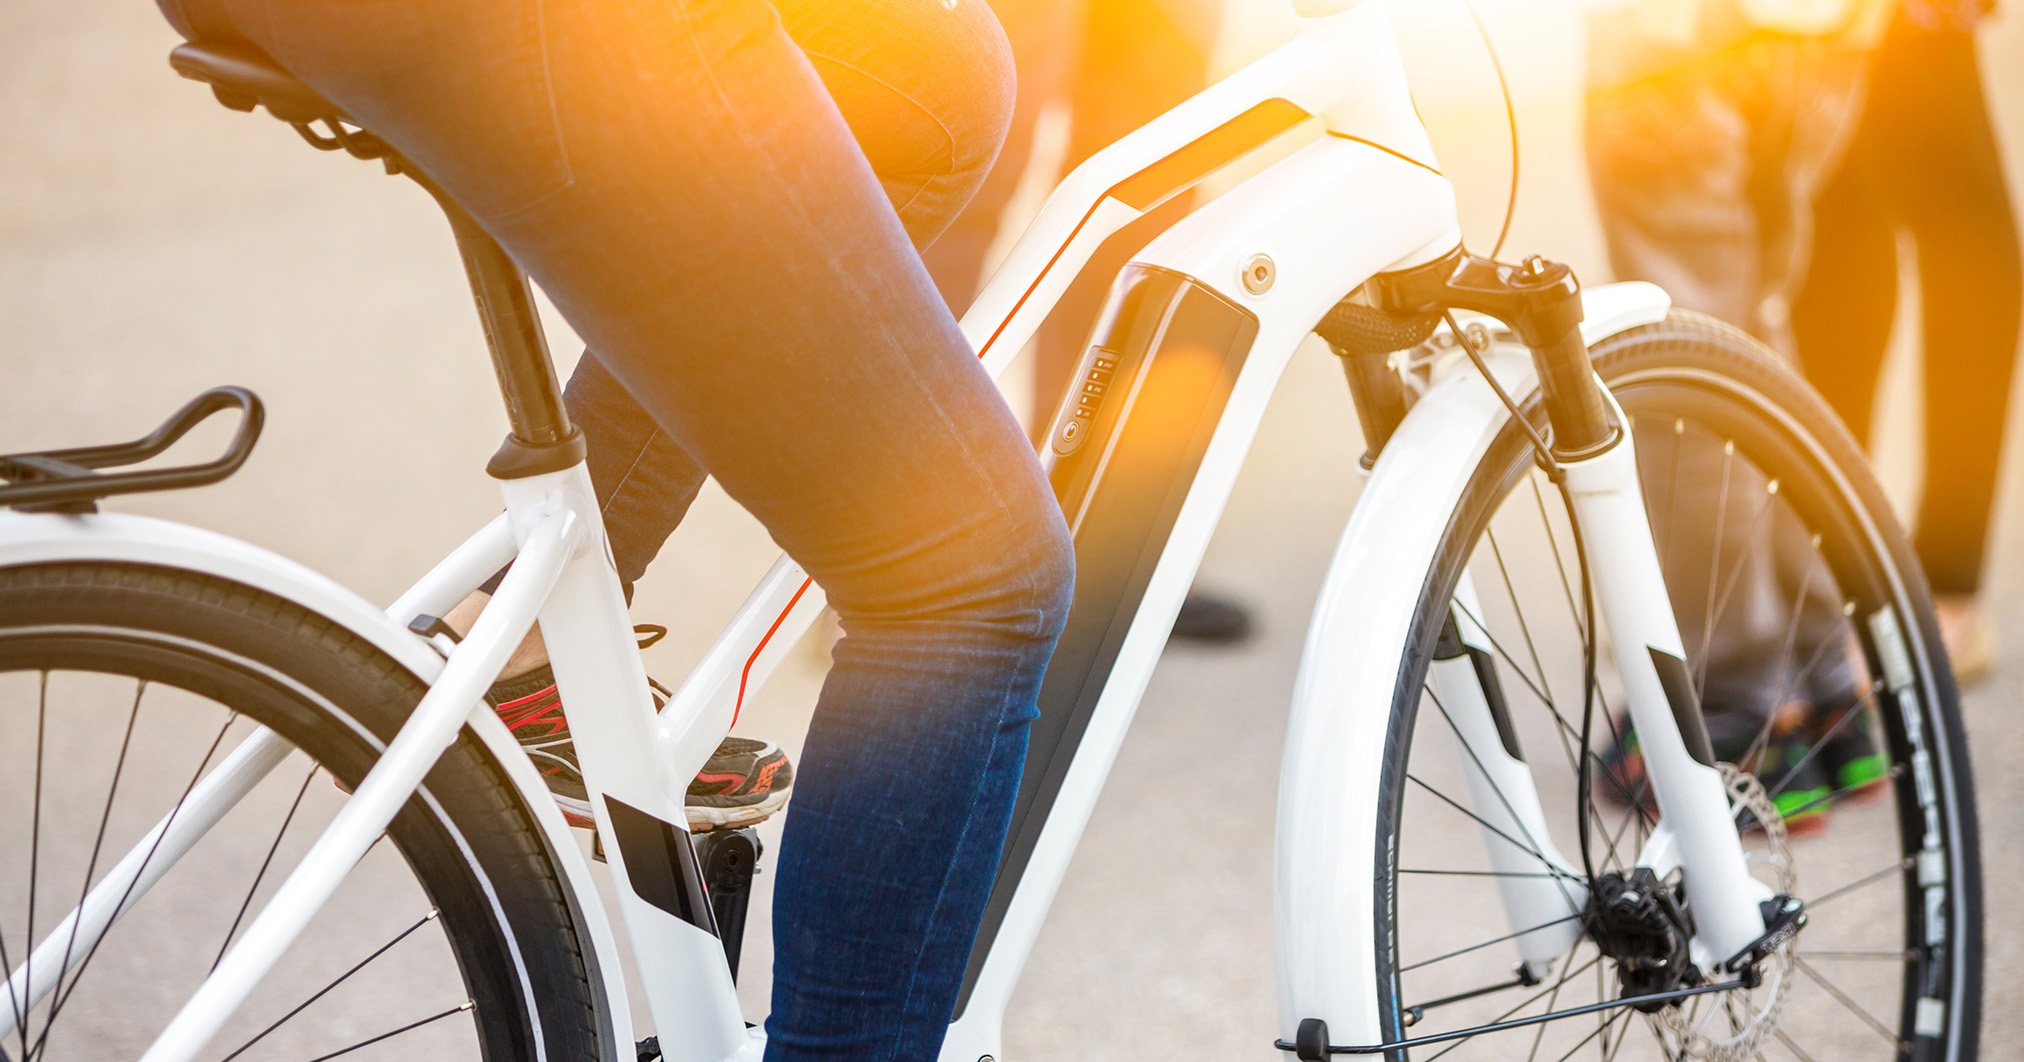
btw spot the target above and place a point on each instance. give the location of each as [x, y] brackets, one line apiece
[678, 178]
[1692, 172]
[1923, 161]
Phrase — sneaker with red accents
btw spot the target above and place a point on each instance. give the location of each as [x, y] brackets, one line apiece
[531, 708]
[744, 782]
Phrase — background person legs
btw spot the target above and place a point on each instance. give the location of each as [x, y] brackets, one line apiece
[1703, 147]
[1924, 161]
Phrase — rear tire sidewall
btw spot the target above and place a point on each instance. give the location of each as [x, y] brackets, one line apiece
[470, 841]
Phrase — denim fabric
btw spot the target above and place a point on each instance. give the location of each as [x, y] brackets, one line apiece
[678, 178]
[925, 89]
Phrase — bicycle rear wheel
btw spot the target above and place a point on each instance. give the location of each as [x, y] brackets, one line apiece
[120, 687]
[1811, 639]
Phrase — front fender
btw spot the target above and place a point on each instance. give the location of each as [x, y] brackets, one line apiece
[27, 539]
[1327, 917]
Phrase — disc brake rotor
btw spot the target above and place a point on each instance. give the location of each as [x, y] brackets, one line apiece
[1732, 1025]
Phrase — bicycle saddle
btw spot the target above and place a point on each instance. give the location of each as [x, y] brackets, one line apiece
[244, 77]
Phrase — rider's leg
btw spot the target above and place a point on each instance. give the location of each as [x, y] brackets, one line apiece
[902, 75]
[929, 136]
[676, 177]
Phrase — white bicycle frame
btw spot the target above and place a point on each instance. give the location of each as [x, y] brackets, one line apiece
[1197, 334]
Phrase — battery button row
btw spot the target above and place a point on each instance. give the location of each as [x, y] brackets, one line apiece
[1102, 365]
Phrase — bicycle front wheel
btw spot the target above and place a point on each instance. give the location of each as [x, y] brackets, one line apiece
[123, 689]
[1811, 640]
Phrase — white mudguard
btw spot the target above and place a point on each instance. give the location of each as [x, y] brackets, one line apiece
[33, 539]
[1326, 845]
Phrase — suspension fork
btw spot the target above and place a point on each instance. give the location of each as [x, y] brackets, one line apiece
[1590, 446]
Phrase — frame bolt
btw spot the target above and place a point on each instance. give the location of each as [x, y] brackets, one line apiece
[1259, 272]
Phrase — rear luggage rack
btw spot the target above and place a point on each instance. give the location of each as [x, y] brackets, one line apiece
[67, 481]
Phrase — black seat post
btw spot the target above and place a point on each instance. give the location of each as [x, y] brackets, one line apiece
[542, 439]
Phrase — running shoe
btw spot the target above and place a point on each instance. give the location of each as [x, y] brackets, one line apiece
[1852, 759]
[1797, 782]
[747, 781]
[1737, 737]
[743, 783]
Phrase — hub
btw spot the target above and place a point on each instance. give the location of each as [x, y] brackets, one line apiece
[1641, 923]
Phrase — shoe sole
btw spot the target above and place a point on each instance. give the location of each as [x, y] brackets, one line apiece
[703, 818]
[575, 812]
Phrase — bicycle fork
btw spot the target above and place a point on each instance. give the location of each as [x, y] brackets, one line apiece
[1591, 447]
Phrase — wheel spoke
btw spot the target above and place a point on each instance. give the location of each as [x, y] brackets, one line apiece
[126, 894]
[1790, 685]
[1567, 731]
[1743, 562]
[1842, 998]
[1526, 1002]
[1487, 943]
[1559, 563]
[1553, 1000]
[1498, 647]
[1518, 610]
[264, 864]
[1715, 562]
[1847, 716]
[1609, 1053]
[1890, 956]
[1898, 867]
[1563, 727]
[1600, 1029]
[1480, 821]
[34, 854]
[97, 843]
[1581, 620]
[1781, 1037]
[458, 1009]
[1538, 849]
[321, 992]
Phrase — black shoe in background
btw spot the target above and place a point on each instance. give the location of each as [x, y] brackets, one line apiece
[1212, 619]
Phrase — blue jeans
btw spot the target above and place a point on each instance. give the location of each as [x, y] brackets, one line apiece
[707, 190]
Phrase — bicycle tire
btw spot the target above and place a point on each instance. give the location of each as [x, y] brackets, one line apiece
[470, 842]
[1719, 374]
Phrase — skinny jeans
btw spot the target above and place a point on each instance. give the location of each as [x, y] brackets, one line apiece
[1923, 162]
[692, 182]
